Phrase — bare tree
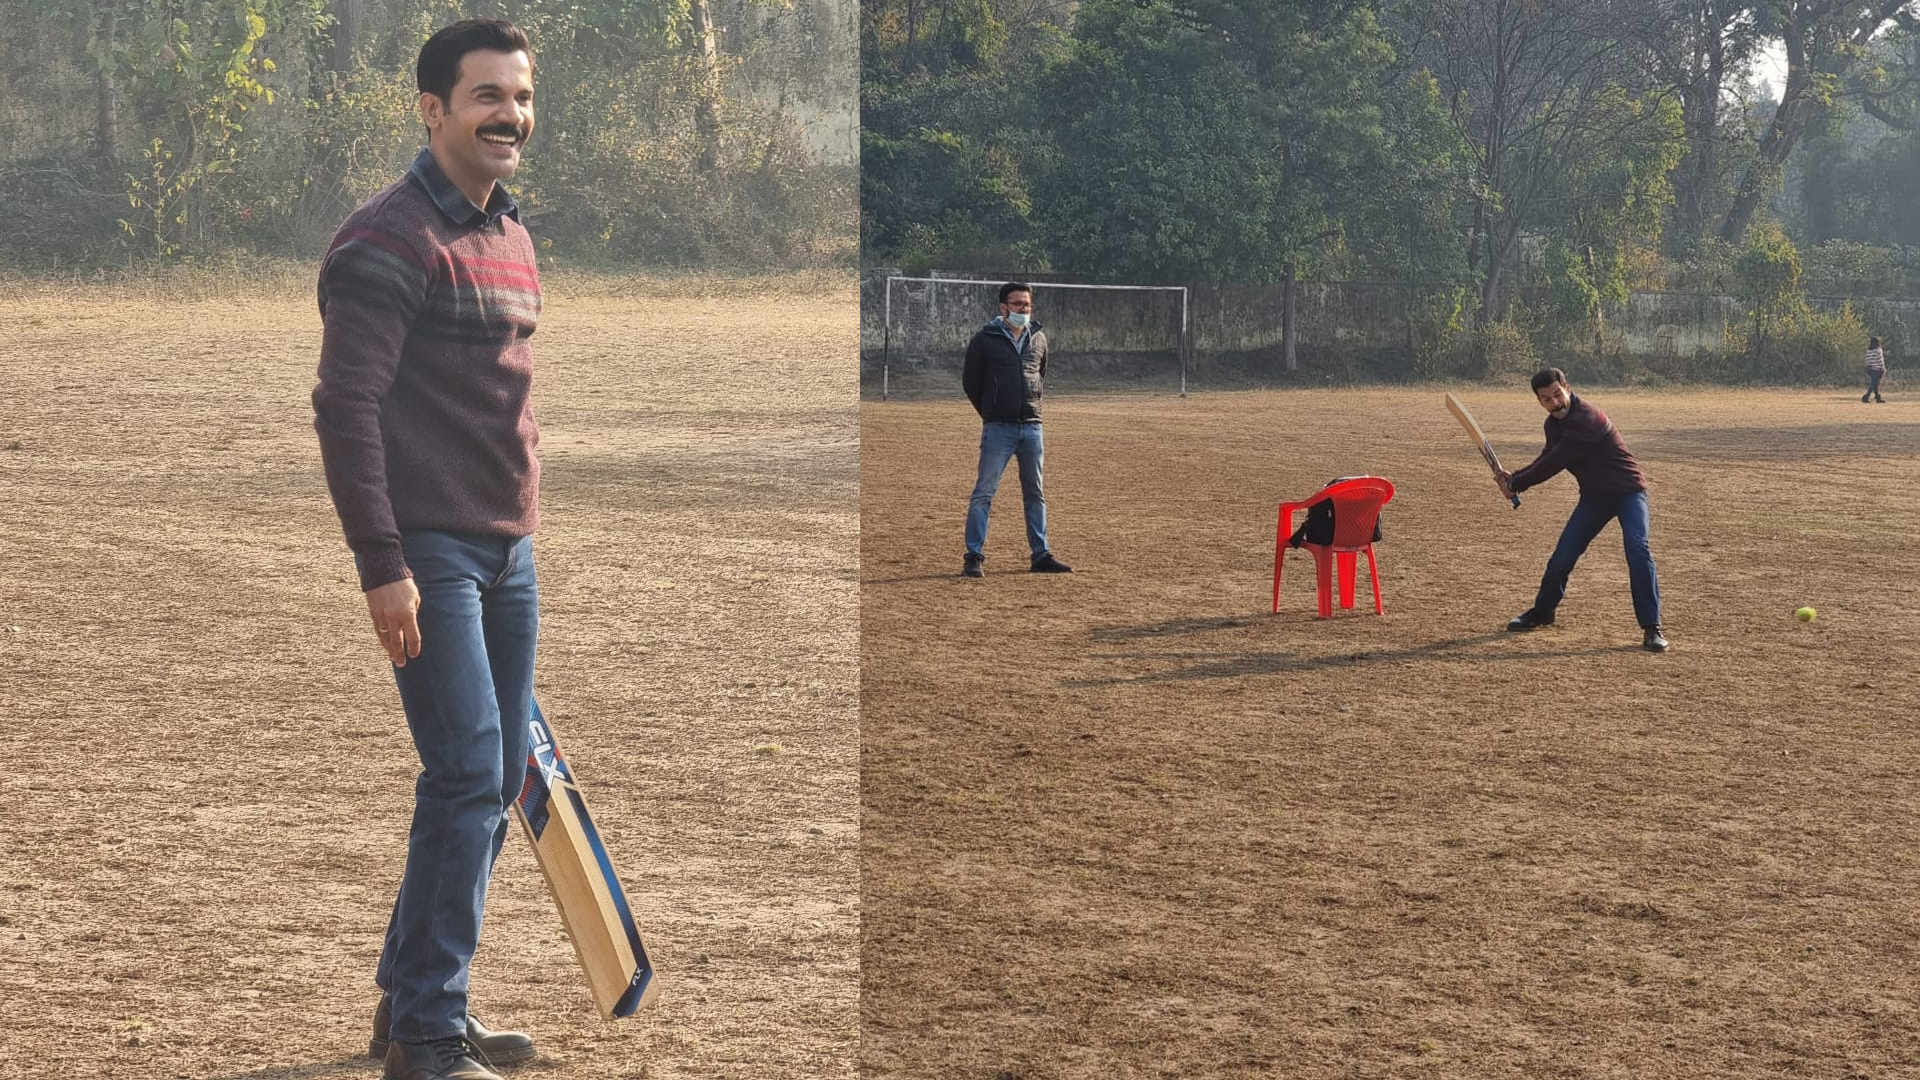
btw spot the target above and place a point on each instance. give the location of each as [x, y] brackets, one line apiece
[1528, 82]
[1701, 48]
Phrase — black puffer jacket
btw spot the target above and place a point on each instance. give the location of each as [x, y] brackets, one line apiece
[1003, 380]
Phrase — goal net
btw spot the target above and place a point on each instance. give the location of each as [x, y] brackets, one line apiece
[1100, 335]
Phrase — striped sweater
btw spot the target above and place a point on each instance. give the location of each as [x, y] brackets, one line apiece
[1876, 360]
[423, 405]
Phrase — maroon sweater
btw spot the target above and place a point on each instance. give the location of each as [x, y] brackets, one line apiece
[1587, 445]
[423, 405]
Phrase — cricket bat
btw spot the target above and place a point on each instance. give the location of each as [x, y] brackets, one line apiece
[585, 889]
[1467, 421]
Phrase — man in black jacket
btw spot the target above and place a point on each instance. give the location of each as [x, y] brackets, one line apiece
[1006, 365]
[1581, 440]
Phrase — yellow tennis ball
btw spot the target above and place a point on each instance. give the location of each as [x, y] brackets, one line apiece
[1805, 614]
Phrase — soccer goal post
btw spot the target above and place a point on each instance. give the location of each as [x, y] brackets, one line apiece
[974, 314]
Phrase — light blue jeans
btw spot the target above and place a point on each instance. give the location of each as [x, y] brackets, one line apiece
[1001, 440]
[1589, 516]
[468, 698]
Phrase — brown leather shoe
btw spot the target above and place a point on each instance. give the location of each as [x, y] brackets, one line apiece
[499, 1047]
[442, 1059]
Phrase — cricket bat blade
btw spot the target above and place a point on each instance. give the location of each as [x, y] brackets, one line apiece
[585, 889]
[1460, 413]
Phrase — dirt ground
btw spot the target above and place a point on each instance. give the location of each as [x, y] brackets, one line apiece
[1127, 823]
[209, 779]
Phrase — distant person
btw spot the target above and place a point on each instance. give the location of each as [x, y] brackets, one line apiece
[1004, 375]
[428, 295]
[1876, 370]
[1581, 440]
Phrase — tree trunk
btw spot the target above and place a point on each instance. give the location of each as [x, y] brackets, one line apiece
[1289, 332]
[1775, 145]
[106, 121]
[347, 16]
[1700, 173]
[706, 111]
[1493, 259]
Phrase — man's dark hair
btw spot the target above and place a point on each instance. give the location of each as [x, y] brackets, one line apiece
[439, 66]
[1546, 377]
[1012, 287]
[1874, 344]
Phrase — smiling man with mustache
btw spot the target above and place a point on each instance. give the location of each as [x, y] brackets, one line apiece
[428, 295]
[1582, 441]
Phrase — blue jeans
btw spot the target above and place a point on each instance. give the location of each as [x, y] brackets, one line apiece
[1590, 515]
[1873, 383]
[999, 441]
[468, 698]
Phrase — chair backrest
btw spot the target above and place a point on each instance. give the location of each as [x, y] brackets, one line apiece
[1356, 509]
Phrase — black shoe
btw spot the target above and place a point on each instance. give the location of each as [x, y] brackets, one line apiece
[1879, 401]
[1529, 619]
[1655, 641]
[1046, 564]
[442, 1059]
[975, 566]
[499, 1047]
[1864, 397]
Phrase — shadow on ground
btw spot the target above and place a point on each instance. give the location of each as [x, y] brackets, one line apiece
[1273, 663]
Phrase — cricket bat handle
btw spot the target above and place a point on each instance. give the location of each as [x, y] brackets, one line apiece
[1493, 462]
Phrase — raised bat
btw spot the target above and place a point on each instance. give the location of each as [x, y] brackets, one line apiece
[592, 904]
[1479, 437]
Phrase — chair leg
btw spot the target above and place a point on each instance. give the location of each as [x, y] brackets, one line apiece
[1373, 573]
[1347, 563]
[1279, 554]
[1323, 578]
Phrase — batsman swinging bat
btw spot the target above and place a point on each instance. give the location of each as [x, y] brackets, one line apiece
[592, 904]
[1461, 414]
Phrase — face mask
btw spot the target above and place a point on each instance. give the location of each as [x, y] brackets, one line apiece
[1016, 319]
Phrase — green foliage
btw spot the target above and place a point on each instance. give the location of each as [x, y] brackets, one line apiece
[945, 131]
[199, 62]
[1788, 341]
[1767, 273]
[1409, 201]
[1574, 283]
[1497, 351]
[1707, 267]
[1803, 347]
[1848, 268]
[158, 197]
[1233, 139]
[1218, 141]
[1611, 203]
[1163, 172]
[239, 122]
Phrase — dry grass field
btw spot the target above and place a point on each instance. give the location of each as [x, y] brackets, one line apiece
[208, 777]
[1127, 823]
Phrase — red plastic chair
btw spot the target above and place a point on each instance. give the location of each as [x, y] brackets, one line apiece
[1356, 508]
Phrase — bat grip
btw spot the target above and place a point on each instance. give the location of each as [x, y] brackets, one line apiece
[1516, 501]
